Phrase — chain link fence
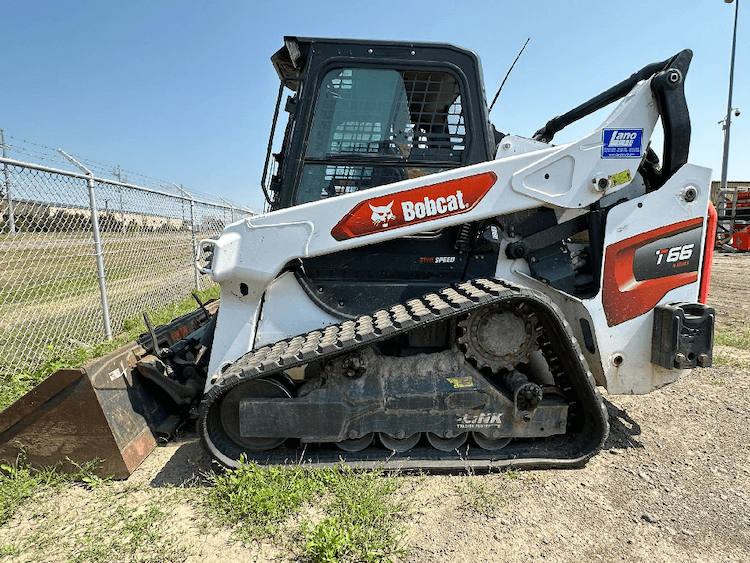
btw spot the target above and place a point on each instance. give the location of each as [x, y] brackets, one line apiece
[81, 255]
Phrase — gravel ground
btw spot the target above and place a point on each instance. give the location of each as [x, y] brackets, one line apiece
[671, 485]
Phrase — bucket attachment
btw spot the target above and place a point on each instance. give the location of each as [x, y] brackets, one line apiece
[105, 410]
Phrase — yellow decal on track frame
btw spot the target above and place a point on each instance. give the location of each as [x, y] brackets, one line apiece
[460, 382]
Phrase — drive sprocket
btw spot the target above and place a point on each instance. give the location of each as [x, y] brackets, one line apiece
[499, 337]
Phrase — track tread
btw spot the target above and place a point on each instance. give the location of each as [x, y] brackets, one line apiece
[449, 302]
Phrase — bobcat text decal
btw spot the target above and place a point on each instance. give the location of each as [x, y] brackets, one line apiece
[414, 206]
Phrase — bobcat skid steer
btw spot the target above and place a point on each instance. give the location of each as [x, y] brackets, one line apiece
[427, 292]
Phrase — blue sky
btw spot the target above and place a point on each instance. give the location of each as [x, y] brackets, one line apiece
[184, 90]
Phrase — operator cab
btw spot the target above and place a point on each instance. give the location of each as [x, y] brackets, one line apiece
[369, 113]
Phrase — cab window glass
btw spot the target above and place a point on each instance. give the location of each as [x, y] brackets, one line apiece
[376, 126]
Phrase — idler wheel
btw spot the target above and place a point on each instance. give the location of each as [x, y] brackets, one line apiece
[229, 409]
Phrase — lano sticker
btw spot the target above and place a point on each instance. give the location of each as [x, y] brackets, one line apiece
[414, 206]
[622, 143]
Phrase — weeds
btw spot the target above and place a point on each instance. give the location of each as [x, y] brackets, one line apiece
[20, 482]
[362, 522]
[139, 535]
[12, 387]
[477, 497]
[512, 474]
[257, 500]
[328, 540]
[721, 360]
[733, 337]
[105, 527]
[713, 380]
[356, 517]
[7, 550]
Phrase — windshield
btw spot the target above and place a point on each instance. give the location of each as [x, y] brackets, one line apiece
[376, 126]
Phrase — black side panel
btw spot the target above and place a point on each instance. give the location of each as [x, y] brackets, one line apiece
[354, 282]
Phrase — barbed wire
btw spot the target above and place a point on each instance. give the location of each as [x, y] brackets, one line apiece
[31, 151]
[45, 155]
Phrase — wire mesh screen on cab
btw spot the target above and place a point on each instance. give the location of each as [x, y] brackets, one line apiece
[376, 126]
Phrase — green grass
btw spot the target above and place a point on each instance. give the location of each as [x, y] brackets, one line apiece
[18, 484]
[258, 500]
[339, 514]
[721, 360]
[713, 380]
[319, 515]
[49, 293]
[44, 268]
[479, 496]
[14, 385]
[110, 523]
[734, 338]
[108, 526]
[128, 533]
[21, 482]
[363, 521]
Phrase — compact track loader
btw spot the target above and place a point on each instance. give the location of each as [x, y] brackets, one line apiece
[427, 292]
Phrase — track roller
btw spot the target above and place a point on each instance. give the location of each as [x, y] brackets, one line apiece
[356, 444]
[447, 444]
[490, 444]
[395, 444]
[222, 426]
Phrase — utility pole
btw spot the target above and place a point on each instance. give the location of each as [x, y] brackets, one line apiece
[727, 123]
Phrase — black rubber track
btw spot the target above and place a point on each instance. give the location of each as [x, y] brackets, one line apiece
[587, 426]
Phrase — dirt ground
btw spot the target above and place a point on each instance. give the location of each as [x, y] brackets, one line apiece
[671, 485]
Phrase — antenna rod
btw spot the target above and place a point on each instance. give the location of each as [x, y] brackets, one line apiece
[507, 75]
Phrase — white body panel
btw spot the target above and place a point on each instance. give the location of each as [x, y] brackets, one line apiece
[261, 304]
[288, 311]
[631, 340]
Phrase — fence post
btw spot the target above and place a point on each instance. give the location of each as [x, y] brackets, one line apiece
[193, 236]
[122, 212]
[97, 244]
[11, 214]
[231, 208]
[195, 245]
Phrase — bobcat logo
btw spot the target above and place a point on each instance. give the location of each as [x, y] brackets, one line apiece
[382, 214]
